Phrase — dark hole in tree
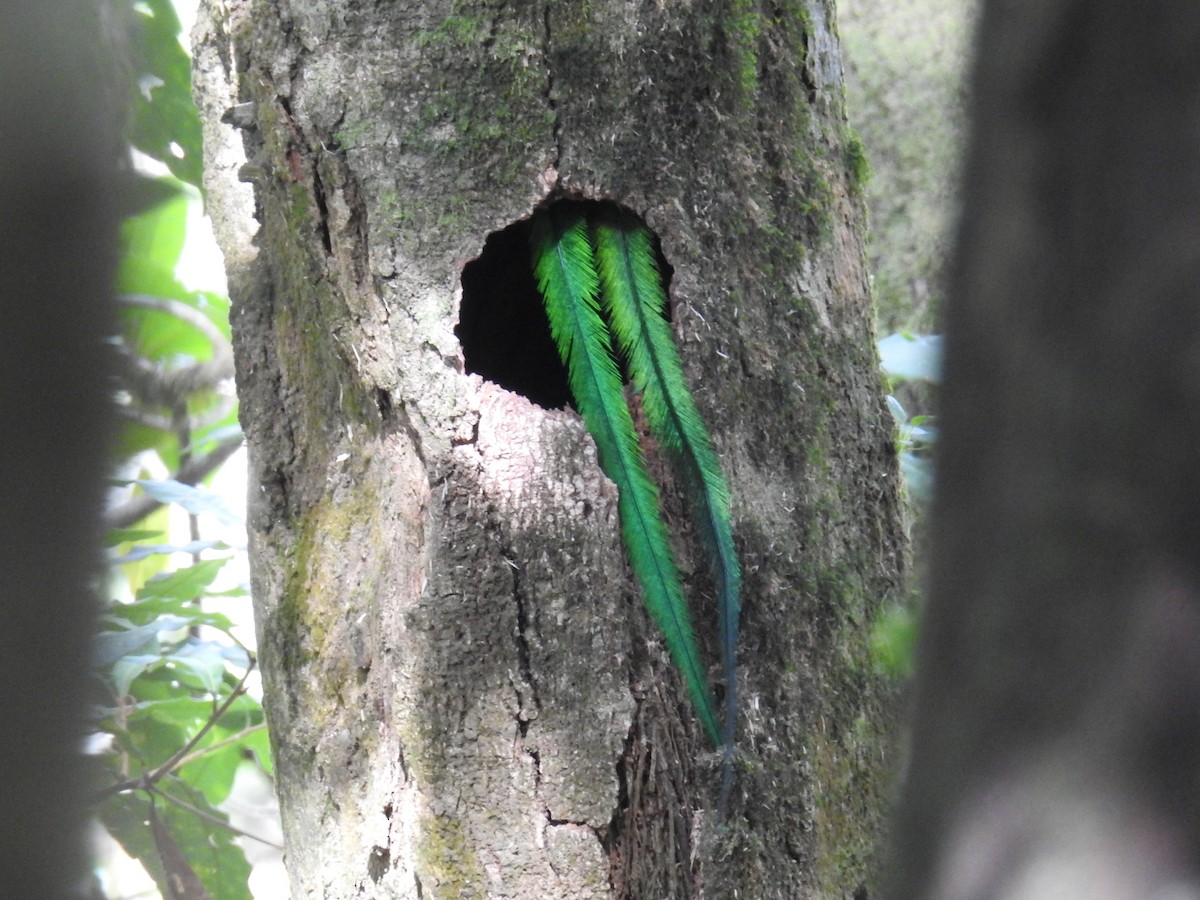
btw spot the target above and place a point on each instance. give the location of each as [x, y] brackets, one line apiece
[502, 324]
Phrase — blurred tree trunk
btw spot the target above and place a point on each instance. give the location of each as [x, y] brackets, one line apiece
[465, 694]
[60, 102]
[1057, 737]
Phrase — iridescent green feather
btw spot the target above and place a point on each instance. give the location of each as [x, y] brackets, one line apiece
[566, 274]
[632, 294]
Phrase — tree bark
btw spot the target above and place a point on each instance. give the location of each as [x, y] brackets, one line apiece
[465, 694]
[1056, 733]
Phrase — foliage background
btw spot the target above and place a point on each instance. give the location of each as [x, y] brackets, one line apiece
[905, 67]
[177, 720]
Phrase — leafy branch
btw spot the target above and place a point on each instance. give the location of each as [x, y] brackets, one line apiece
[184, 754]
[172, 712]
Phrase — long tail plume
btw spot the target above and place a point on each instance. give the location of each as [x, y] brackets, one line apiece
[565, 266]
[633, 297]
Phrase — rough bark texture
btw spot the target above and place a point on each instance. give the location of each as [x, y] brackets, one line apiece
[59, 101]
[466, 697]
[1057, 728]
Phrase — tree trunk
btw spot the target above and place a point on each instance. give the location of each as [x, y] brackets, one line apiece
[1058, 717]
[62, 102]
[466, 696]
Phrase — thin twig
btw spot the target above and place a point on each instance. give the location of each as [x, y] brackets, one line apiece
[209, 817]
[224, 742]
[129, 514]
[146, 781]
[173, 760]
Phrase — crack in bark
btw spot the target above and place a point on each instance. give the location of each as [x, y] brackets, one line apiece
[807, 78]
[403, 768]
[524, 657]
[535, 757]
[611, 837]
[556, 127]
[318, 188]
[494, 30]
[300, 156]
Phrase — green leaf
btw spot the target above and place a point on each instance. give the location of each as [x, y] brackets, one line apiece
[159, 725]
[166, 124]
[117, 536]
[893, 641]
[918, 476]
[214, 772]
[215, 307]
[182, 584]
[204, 659]
[209, 850]
[140, 192]
[158, 696]
[110, 646]
[160, 333]
[135, 437]
[259, 743]
[130, 667]
[153, 242]
[195, 500]
[149, 608]
[141, 551]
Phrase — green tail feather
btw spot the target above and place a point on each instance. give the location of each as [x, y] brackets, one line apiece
[566, 274]
[631, 289]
